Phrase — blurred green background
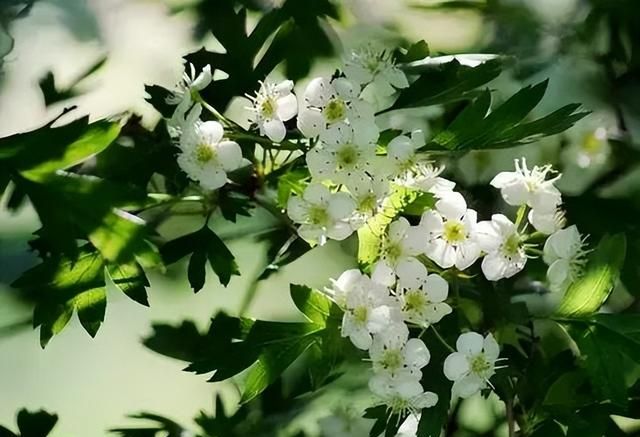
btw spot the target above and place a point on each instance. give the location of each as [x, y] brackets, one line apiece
[144, 41]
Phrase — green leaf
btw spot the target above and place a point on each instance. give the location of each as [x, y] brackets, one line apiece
[36, 424]
[415, 52]
[272, 362]
[204, 245]
[46, 150]
[183, 342]
[130, 279]
[587, 294]
[504, 127]
[446, 83]
[160, 426]
[313, 304]
[370, 235]
[549, 428]
[62, 286]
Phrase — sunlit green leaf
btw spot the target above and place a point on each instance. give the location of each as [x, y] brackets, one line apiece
[588, 293]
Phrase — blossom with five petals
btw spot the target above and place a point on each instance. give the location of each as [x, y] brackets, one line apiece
[504, 247]
[471, 366]
[274, 104]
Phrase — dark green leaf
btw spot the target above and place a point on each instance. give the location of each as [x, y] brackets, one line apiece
[36, 424]
[131, 280]
[415, 52]
[447, 83]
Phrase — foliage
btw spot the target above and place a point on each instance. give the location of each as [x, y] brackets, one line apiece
[103, 190]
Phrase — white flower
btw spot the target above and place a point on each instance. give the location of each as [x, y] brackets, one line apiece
[529, 187]
[368, 65]
[341, 157]
[190, 83]
[422, 298]
[399, 248]
[547, 222]
[402, 153]
[321, 214]
[368, 307]
[472, 365]
[272, 106]
[205, 157]
[393, 352]
[450, 230]
[505, 254]
[402, 393]
[334, 102]
[564, 253]
[368, 193]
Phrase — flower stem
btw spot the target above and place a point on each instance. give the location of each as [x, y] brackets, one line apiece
[442, 340]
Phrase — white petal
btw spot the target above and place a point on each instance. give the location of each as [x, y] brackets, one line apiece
[504, 226]
[467, 386]
[297, 209]
[322, 164]
[436, 288]
[229, 155]
[494, 266]
[396, 77]
[316, 194]
[311, 122]
[431, 222]
[543, 222]
[379, 319]
[400, 149]
[341, 206]
[274, 129]
[515, 193]
[313, 234]
[487, 236]
[339, 231]
[427, 399]
[287, 107]
[344, 88]
[398, 229]
[382, 86]
[415, 241]
[365, 132]
[435, 312]
[558, 273]
[466, 254]
[211, 132]
[213, 180]
[318, 92]
[491, 348]
[470, 343]
[411, 275]
[360, 338]
[416, 353]
[452, 206]
[337, 134]
[456, 365]
[504, 178]
[204, 79]
[357, 73]
[284, 88]
[546, 198]
[383, 274]
[441, 253]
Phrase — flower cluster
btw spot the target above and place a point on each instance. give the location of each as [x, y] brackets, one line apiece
[351, 178]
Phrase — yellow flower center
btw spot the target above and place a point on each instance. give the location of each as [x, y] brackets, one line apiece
[268, 107]
[391, 359]
[512, 244]
[336, 110]
[204, 153]
[318, 215]
[347, 156]
[479, 365]
[393, 251]
[414, 300]
[360, 314]
[368, 203]
[454, 232]
[591, 144]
